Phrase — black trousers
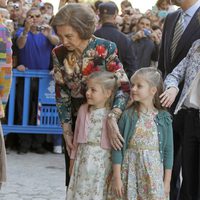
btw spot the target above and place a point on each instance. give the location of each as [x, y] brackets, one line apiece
[178, 121]
[26, 141]
[190, 189]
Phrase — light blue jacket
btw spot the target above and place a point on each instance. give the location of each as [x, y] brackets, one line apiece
[185, 71]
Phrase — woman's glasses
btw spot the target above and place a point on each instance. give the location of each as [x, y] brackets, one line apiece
[34, 16]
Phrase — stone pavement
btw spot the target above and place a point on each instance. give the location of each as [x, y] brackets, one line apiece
[34, 177]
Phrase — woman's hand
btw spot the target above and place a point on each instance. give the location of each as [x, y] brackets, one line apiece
[168, 96]
[68, 137]
[117, 187]
[69, 142]
[114, 135]
[71, 165]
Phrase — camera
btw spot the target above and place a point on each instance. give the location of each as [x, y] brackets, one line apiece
[127, 12]
[13, 5]
[147, 32]
[16, 6]
[40, 28]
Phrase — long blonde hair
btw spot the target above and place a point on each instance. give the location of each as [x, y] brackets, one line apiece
[153, 77]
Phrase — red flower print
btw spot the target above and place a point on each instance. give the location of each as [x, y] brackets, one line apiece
[87, 70]
[101, 51]
[113, 66]
[95, 69]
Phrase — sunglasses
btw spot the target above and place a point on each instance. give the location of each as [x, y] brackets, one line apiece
[34, 16]
[120, 24]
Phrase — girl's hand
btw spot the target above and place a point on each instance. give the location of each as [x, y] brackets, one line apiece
[166, 188]
[117, 187]
[168, 96]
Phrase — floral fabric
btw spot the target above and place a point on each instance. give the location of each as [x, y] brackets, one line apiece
[185, 71]
[71, 71]
[92, 164]
[5, 67]
[142, 169]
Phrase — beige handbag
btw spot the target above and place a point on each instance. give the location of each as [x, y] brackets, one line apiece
[194, 95]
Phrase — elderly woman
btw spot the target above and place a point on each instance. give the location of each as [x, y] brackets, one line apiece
[188, 106]
[79, 55]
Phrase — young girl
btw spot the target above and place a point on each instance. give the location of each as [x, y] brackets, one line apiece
[142, 169]
[91, 157]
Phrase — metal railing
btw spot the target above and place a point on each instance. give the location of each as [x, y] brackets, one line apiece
[47, 117]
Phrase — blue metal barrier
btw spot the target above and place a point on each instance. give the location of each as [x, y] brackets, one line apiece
[47, 117]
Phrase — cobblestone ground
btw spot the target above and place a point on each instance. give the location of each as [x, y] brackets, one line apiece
[34, 177]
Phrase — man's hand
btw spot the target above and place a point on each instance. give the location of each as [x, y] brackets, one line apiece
[115, 137]
[21, 68]
[47, 30]
[28, 24]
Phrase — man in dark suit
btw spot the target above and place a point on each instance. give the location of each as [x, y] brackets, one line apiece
[167, 62]
[108, 13]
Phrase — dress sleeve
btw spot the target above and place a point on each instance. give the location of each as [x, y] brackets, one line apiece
[178, 74]
[113, 64]
[62, 92]
[117, 155]
[168, 150]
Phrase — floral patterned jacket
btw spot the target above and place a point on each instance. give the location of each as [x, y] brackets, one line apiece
[70, 75]
[185, 71]
[5, 66]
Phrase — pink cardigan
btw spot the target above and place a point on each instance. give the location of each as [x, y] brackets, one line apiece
[81, 130]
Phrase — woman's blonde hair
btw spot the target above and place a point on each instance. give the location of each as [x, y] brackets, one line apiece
[79, 16]
[108, 81]
[154, 78]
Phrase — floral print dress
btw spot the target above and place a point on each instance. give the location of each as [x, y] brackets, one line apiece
[142, 170]
[92, 165]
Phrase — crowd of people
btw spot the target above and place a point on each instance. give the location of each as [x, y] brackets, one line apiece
[127, 91]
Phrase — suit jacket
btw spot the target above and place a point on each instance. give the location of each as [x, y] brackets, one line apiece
[191, 33]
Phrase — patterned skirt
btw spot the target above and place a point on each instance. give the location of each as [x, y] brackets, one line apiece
[91, 169]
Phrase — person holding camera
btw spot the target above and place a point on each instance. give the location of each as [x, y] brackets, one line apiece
[35, 42]
[108, 13]
[145, 43]
[15, 8]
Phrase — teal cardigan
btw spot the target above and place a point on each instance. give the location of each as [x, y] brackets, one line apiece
[163, 122]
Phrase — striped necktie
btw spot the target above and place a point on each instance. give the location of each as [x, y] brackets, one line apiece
[178, 31]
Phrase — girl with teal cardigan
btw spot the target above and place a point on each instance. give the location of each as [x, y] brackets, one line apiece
[142, 168]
